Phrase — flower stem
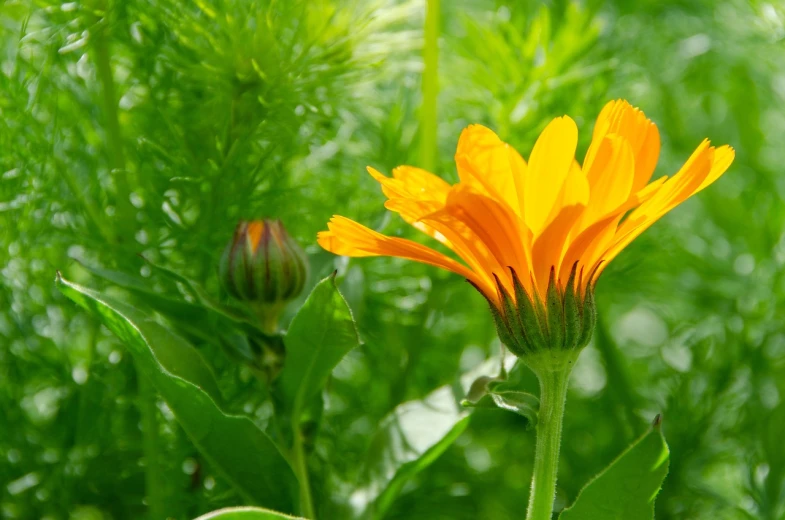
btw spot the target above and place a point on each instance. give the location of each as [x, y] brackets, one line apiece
[553, 394]
[301, 469]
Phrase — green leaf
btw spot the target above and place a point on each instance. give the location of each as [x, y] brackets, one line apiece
[233, 444]
[246, 513]
[500, 394]
[320, 335]
[627, 488]
[522, 403]
[408, 440]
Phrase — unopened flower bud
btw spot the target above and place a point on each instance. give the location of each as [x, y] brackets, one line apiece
[263, 265]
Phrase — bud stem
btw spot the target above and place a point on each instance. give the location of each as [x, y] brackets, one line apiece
[300, 465]
[553, 395]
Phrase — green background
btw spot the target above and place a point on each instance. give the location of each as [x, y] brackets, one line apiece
[150, 127]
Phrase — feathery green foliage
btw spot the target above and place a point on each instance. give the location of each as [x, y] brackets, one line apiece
[148, 128]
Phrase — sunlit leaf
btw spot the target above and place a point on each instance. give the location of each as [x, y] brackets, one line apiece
[245, 455]
[246, 513]
[496, 393]
[414, 435]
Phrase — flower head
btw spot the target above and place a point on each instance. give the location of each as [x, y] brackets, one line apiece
[546, 226]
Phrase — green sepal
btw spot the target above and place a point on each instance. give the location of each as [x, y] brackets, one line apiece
[589, 314]
[589, 318]
[554, 313]
[572, 312]
[511, 318]
[541, 314]
[528, 316]
[505, 335]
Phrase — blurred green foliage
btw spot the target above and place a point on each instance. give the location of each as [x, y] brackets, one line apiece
[150, 127]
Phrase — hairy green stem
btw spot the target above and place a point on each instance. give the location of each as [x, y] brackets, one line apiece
[430, 87]
[301, 470]
[553, 395]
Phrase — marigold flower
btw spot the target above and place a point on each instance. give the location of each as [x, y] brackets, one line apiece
[547, 226]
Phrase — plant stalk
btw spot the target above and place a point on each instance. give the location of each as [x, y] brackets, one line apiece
[553, 395]
[430, 86]
[301, 469]
[114, 137]
[154, 483]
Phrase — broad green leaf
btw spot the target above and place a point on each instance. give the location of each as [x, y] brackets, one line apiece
[627, 488]
[246, 513]
[320, 335]
[233, 444]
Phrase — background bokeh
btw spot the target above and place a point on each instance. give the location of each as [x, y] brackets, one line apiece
[148, 127]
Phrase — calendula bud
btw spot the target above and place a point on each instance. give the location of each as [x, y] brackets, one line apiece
[263, 265]
[562, 321]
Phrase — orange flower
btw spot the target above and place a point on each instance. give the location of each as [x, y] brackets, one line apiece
[549, 215]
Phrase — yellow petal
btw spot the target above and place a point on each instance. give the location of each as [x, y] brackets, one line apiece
[490, 166]
[349, 238]
[549, 164]
[550, 245]
[412, 193]
[620, 118]
[703, 167]
[412, 183]
[494, 224]
[723, 157]
[591, 243]
[465, 243]
[610, 177]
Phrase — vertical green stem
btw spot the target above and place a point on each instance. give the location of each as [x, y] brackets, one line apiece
[124, 219]
[154, 482]
[114, 137]
[301, 469]
[430, 87]
[553, 395]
